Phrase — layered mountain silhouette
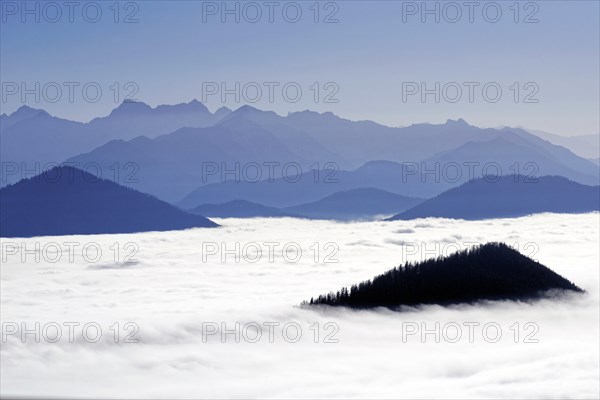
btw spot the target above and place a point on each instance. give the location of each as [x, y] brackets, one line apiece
[353, 204]
[508, 196]
[23, 113]
[68, 201]
[313, 185]
[133, 119]
[170, 166]
[33, 136]
[493, 271]
[240, 209]
[416, 142]
[407, 160]
[507, 155]
[170, 147]
[586, 146]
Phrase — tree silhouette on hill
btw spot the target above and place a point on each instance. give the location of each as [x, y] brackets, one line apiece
[493, 271]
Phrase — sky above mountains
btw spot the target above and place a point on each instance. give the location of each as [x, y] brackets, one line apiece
[362, 64]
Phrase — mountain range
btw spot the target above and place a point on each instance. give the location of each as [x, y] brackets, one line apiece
[171, 147]
[170, 166]
[354, 204]
[33, 136]
[188, 156]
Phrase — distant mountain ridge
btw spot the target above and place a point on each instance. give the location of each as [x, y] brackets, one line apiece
[33, 136]
[361, 203]
[171, 145]
[312, 186]
[447, 145]
[172, 165]
[23, 113]
[513, 155]
[354, 204]
[240, 209]
[585, 146]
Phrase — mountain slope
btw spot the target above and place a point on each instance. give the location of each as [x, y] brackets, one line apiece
[586, 146]
[508, 196]
[507, 155]
[42, 139]
[69, 201]
[493, 271]
[23, 113]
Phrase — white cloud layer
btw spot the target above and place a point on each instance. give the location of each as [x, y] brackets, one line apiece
[170, 292]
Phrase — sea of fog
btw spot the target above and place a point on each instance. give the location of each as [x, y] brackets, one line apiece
[215, 313]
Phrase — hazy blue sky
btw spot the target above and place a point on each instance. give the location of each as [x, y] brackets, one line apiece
[367, 54]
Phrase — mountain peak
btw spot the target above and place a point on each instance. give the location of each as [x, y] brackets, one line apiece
[27, 112]
[311, 113]
[131, 107]
[194, 106]
[246, 109]
[249, 113]
[460, 122]
[222, 112]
